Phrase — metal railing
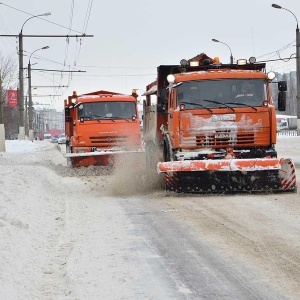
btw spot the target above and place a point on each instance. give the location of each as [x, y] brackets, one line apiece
[289, 133]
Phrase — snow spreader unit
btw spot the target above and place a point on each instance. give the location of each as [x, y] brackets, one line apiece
[101, 127]
[211, 127]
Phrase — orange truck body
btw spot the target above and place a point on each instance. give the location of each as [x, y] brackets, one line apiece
[206, 137]
[97, 132]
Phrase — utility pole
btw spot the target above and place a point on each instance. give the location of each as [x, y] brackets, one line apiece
[26, 116]
[2, 129]
[1, 101]
[21, 68]
[21, 78]
[298, 77]
[297, 63]
[31, 115]
[30, 132]
[21, 89]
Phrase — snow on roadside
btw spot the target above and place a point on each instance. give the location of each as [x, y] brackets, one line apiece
[16, 146]
[33, 248]
[45, 228]
[289, 147]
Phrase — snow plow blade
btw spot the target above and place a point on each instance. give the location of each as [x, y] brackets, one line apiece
[229, 175]
[101, 158]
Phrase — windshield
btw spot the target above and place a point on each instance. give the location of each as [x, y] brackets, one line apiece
[107, 110]
[221, 93]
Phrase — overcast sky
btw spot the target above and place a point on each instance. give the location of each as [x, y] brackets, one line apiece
[131, 38]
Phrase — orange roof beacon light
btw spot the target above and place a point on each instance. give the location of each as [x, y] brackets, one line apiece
[231, 57]
[134, 93]
[216, 60]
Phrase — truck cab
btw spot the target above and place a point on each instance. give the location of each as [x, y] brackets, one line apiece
[211, 117]
[99, 124]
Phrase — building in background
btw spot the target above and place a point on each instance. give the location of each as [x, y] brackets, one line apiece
[44, 120]
[48, 121]
[52, 121]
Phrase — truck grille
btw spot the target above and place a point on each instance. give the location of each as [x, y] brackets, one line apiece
[219, 139]
[109, 141]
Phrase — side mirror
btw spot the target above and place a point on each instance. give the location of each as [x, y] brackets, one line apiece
[68, 119]
[67, 111]
[282, 101]
[161, 107]
[282, 86]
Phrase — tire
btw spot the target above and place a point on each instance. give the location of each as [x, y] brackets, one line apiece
[151, 155]
[168, 153]
[69, 150]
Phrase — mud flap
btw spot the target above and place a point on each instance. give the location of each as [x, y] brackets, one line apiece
[276, 175]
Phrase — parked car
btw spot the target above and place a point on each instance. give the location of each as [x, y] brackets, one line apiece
[47, 136]
[282, 125]
[61, 140]
[54, 139]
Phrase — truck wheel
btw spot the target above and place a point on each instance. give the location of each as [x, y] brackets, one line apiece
[69, 150]
[150, 156]
[168, 153]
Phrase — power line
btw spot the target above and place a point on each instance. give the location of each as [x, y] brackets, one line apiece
[38, 17]
[116, 75]
[279, 50]
[109, 67]
[86, 21]
[87, 15]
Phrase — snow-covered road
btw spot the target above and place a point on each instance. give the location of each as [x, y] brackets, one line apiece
[92, 233]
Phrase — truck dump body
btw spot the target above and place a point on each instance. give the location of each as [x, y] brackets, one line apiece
[214, 129]
[100, 127]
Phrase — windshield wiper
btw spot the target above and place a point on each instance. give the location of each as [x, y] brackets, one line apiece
[196, 104]
[217, 102]
[243, 104]
[120, 118]
[99, 117]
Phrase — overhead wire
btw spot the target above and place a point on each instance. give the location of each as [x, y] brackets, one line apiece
[4, 41]
[281, 63]
[276, 51]
[84, 28]
[68, 40]
[70, 26]
[79, 40]
[40, 18]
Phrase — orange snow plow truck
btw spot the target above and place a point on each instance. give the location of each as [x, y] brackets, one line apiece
[101, 127]
[211, 127]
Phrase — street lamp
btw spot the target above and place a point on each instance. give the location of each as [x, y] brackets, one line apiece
[21, 78]
[231, 57]
[297, 64]
[30, 94]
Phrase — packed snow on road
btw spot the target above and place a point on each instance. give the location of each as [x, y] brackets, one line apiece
[102, 233]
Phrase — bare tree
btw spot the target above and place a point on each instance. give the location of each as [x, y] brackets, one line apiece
[8, 72]
[9, 80]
